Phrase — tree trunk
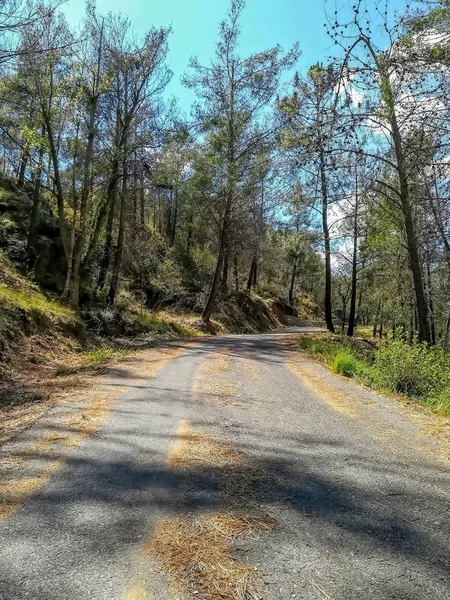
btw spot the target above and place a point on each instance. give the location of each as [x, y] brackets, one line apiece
[57, 186]
[352, 315]
[31, 248]
[447, 333]
[344, 315]
[175, 219]
[377, 315]
[207, 311]
[236, 274]
[142, 200]
[431, 305]
[106, 257]
[411, 234]
[80, 239]
[114, 286]
[169, 215]
[292, 286]
[326, 234]
[252, 275]
[226, 261]
[22, 168]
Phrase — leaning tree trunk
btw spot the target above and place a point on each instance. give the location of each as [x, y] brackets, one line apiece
[207, 311]
[252, 275]
[80, 239]
[110, 206]
[413, 248]
[53, 158]
[405, 201]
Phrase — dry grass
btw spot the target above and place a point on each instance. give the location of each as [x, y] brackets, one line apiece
[196, 554]
[138, 591]
[211, 383]
[195, 551]
[193, 449]
[340, 401]
[14, 491]
[233, 404]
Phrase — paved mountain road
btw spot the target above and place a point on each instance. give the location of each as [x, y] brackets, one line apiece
[360, 495]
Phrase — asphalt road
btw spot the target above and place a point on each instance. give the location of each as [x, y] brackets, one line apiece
[361, 502]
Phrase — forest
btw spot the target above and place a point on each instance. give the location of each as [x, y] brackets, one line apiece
[327, 189]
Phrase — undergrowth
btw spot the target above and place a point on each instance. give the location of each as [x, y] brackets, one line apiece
[346, 364]
[414, 371]
[34, 301]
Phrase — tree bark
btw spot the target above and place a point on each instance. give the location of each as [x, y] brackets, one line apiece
[431, 305]
[252, 275]
[58, 185]
[236, 274]
[22, 168]
[175, 219]
[142, 200]
[80, 239]
[292, 286]
[226, 260]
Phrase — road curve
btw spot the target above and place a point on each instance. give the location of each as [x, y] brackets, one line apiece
[361, 507]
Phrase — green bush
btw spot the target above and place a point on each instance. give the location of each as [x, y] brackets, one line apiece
[440, 401]
[324, 348]
[415, 370]
[346, 364]
[306, 343]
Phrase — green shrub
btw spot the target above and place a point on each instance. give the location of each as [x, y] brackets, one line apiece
[346, 364]
[323, 347]
[306, 343]
[440, 402]
[414, 370]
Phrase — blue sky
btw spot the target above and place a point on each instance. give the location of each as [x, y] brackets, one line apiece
[195, 26]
